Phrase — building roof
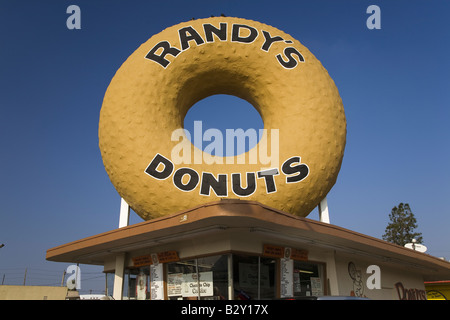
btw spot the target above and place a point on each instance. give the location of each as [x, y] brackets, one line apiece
[245, 215]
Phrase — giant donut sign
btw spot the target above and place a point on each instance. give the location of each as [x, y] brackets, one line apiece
[152, 163]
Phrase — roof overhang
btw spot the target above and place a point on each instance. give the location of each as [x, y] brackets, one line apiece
[247, 216]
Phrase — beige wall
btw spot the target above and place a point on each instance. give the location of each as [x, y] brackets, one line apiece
[32, 293]
[397, 282]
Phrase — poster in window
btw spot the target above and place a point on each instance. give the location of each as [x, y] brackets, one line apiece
[191, 285]
[174, 284]
[316, 286]
[141, 286]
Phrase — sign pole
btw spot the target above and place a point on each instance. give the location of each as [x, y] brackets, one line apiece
[124, 218]
[324, 215]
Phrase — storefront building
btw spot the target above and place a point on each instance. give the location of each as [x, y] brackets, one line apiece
[198, 240]
[234, 249]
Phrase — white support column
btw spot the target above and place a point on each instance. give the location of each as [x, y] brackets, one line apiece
[124, 218]
[324, 215]
[118, 277]
[332, 274]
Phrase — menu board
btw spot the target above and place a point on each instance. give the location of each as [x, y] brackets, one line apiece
[297, 283]
[273, 251]
[286, 278]
[156, 282]
[167, 256]
[316, 286]
[161, 257]
[300, 255]
[285, 252]
[142, 261]
[174, 284]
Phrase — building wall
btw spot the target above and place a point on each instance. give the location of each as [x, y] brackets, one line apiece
[356, 277]
[32, 293]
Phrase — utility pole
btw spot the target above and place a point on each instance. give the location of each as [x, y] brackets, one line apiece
[25, 277]
[62, 280]
[106, 284]
[3, 280]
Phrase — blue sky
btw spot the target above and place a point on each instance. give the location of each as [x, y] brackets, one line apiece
[394, 83]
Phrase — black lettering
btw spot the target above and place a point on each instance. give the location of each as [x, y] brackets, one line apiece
[236, 184]
[178, 179]
[400, 291]
[153, 166]
[423, 295]
[291, 62]
[219, 186]
[220, 33]
[269, 40]
[184, 38]
[167, 49]
[301, 169]
[268, 177]
[236, 34]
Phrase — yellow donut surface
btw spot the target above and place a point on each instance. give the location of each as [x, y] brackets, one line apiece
[149, 96]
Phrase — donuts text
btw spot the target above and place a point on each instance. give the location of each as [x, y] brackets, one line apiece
[240, 33]
[161, 168]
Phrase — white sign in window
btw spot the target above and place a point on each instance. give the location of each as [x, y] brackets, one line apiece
[157, 283]
[316, 286]
[191, 285]
[286, 278]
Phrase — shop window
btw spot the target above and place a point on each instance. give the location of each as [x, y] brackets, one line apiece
[253, 277]
[308, 279]
[203, 278]
[109, 284]
[136, 284]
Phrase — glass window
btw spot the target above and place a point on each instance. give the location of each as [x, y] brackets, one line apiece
[253, 277]
[129, 281]
[109, 284]
[178, 284]
[217, 267]
[245, 277]
[267, 278]
[136, 284]
[308, 279]
[203, 278]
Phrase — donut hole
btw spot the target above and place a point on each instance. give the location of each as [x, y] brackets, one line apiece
[223, 125]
